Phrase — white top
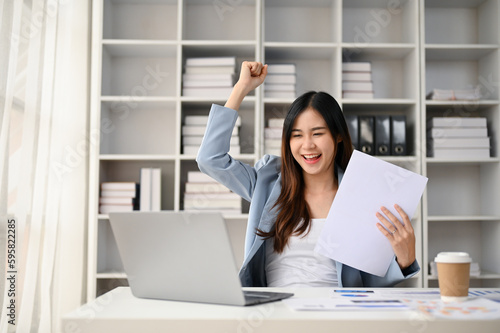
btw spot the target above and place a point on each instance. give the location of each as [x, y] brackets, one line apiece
[299, 265]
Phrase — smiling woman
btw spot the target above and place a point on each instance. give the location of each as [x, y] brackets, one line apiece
[290, 197]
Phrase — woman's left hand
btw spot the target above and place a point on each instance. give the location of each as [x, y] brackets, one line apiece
[400, 235]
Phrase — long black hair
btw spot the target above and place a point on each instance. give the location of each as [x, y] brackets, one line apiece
[293, 213]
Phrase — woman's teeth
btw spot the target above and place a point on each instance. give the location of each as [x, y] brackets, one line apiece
[311, 157]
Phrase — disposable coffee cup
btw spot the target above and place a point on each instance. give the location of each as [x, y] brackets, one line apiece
[453, 275]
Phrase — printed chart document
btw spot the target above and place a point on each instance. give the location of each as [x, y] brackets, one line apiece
[350, 234]
[333, 304]
[426, 302]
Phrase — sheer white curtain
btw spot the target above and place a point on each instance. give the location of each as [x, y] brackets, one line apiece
[44, 56]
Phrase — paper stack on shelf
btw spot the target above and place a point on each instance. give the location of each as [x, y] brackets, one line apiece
[118, 197]
[357, 80]
[150, 189]
[193, 131]
[209, 77]
[474, 269]
[280, 81]
[459, 137]
[205, 194]
[272, 136]
[455, 95]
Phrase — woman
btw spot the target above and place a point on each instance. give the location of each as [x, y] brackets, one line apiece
[290, 196]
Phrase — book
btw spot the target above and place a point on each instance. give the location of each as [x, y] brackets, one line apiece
[200, 130]
[118, 186]
[225, 77]
[276, 122]
[356, 86]
[210, 187]
[281, 79]
[150, 199]
[211, 61]
[145, 200]
[213, 92]
[115, 194]
[462, 153]
[281, 69]
[382, 135]
[279, 94]
[453, 95]
[119, 194]
[199, 177]
[116, 201]
[203, 120]
[356, 67]
[272, 151]
[207, 84]
[461, 143]
[398, 135]
[356, 76]
[209, 70]
[211, 201]
[273, 133]
[290, 87]
[357, 95]
[272, 143]
[469, 132]
[190, 140]
[468, 94]
[106, 209]
[155, 189]
[193, 150]
[223, 211]
[210, 196]
[459, 122]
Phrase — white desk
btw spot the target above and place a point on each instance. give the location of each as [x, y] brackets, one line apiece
[120, 311]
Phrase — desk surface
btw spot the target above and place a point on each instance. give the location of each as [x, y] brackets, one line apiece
[120, 311]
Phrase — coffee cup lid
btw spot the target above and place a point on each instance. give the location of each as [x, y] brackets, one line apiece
[453, 257]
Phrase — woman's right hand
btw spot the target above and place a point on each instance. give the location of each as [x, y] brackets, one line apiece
[252, 75]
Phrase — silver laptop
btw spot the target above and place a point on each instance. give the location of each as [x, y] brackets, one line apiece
[181, 256]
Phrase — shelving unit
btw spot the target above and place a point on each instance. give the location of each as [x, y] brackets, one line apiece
[137, 107]
[459, 50]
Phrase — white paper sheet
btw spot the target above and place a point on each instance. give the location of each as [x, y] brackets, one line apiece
[350, 234]
[336, 304]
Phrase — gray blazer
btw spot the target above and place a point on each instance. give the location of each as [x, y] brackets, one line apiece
[261, 186]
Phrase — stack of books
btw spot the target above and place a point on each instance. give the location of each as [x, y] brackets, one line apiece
[150, 200]
[209, 77]
[119, 197]
[205, 194]
[459, 137]
[193, 131]
[272, 136]
[474, 269]
[357, 80]
[280, 81]
[454, 95]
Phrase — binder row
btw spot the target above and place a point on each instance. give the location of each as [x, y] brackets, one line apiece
[381, 135]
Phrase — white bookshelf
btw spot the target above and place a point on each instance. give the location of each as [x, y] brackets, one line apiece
[459, 50]
[137, 108]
